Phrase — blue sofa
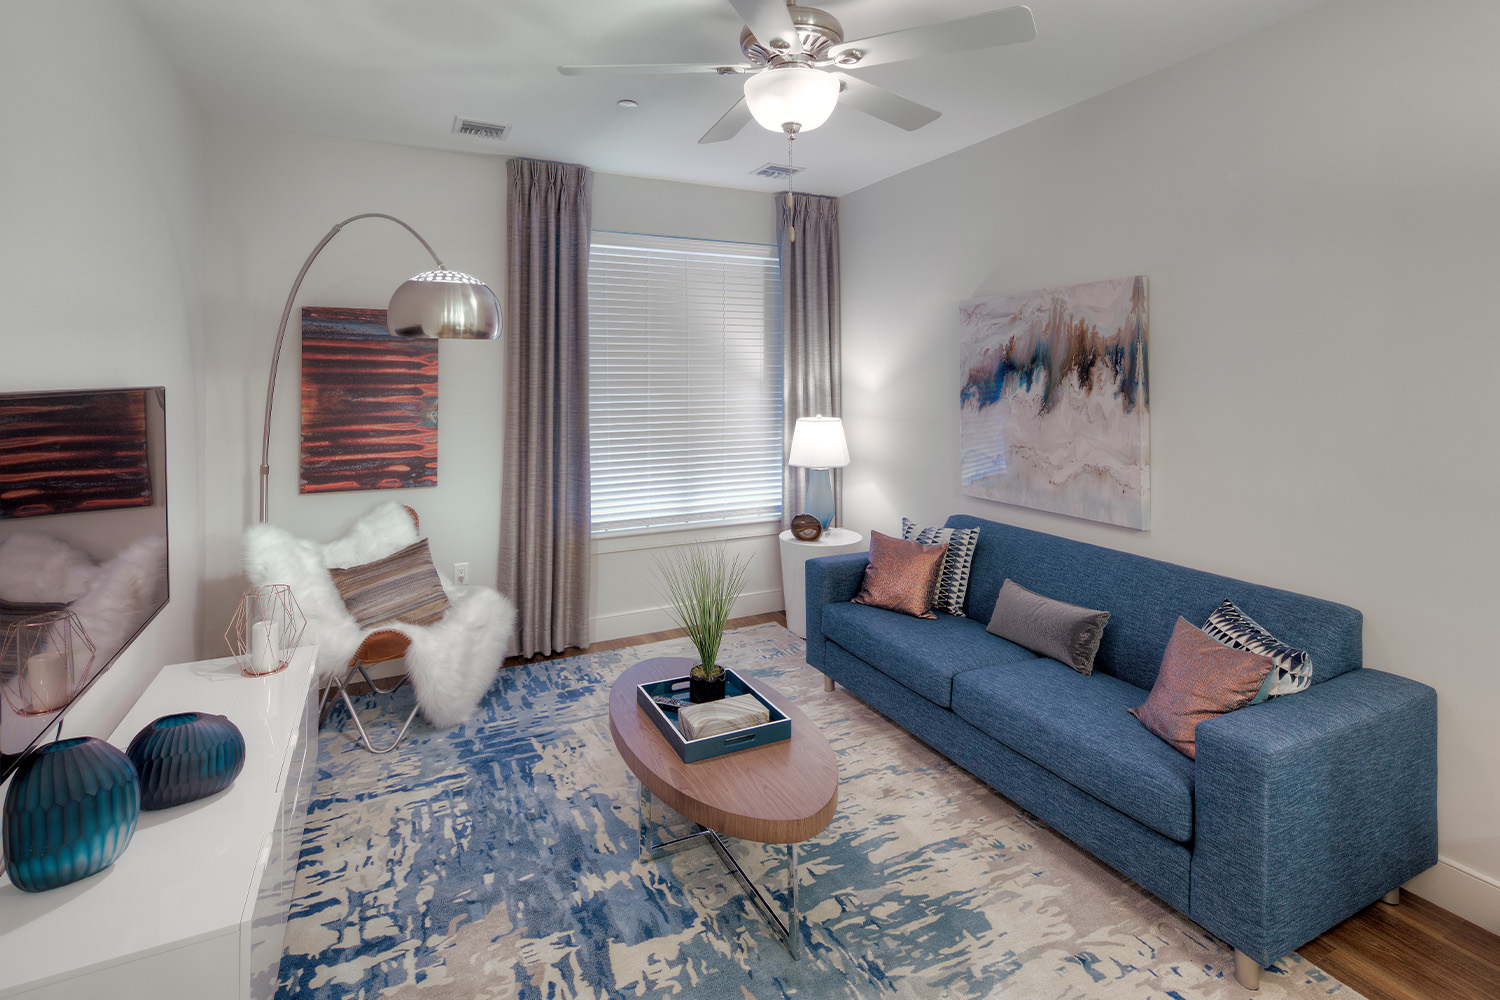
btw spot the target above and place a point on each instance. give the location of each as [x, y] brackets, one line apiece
[1296, 813]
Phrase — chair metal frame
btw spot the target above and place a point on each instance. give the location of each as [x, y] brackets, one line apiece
[379, 646]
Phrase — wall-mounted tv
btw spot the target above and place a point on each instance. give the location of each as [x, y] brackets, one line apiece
[83, 546]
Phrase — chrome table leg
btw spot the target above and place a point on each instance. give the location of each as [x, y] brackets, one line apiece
[788, 932]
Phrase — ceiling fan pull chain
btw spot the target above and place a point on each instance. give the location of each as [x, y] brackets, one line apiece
[791, 227]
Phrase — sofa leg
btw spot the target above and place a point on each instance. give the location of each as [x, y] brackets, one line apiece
[828, 684]
[1246, 970]
[1393, 897]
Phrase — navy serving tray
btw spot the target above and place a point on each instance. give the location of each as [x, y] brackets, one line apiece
[777, 729]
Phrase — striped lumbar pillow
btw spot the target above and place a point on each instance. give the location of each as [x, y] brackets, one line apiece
[1292, 670]
[953, 577]
[402, 587]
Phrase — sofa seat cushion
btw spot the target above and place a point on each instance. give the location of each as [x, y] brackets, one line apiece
[923, 655]
[1077, 727]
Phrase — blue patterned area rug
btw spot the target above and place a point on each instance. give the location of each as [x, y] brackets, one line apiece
[499, 859]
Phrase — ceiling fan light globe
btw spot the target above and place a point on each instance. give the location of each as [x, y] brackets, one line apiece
[445, 304]
[797, 95]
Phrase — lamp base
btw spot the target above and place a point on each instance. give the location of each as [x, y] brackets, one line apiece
[820, 496]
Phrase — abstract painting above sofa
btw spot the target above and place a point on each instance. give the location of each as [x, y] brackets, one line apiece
[1054, 400]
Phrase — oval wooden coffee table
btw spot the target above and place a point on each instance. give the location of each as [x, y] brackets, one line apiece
[780, 793]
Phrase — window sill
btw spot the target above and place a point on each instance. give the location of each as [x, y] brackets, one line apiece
[637, 539]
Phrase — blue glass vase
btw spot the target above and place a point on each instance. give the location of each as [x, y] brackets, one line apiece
[70, 813]
[187, 756]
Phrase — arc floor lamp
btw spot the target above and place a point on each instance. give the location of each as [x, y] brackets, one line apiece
[439, 303]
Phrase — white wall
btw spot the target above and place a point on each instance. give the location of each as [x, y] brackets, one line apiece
[273, 195]
[1315, 207]
[101, 194]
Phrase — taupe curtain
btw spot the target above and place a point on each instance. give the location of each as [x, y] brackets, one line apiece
[811, 376]
[544, 530]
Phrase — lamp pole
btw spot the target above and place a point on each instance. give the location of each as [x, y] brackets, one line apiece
[478, 322]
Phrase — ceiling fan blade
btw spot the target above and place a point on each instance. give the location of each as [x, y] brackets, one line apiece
[634, 68]
[768, 21]
[998, 27]
[883, 104]
[729, 126]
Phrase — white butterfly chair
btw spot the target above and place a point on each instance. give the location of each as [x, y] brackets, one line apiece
[450, 663]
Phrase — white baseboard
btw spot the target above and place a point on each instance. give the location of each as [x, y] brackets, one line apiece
[1460, 889]
[628, 623]
[625, 625]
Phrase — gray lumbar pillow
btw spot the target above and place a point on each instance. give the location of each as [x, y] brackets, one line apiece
[1062, 631]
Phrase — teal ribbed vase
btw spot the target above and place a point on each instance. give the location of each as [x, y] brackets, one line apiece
[184, 757]
[70, 813]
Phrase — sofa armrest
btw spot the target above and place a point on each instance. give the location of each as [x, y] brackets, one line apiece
[1310, 807]
[830, 580]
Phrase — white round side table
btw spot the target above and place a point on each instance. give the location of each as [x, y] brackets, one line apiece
[794, 557]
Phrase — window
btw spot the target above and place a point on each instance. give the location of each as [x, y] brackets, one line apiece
[684, 381]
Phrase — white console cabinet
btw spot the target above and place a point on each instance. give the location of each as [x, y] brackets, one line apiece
[197, 904]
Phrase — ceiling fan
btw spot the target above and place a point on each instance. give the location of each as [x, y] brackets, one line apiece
[796, 55]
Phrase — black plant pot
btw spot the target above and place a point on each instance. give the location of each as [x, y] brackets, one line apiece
[701, 689]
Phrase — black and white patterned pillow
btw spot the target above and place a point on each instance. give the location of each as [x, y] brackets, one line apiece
[1292, 670]
[953, 577]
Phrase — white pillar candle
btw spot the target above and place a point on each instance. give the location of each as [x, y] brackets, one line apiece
[265, 657]
[47, 676]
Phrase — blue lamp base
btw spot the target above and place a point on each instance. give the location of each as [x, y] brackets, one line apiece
[820, 496]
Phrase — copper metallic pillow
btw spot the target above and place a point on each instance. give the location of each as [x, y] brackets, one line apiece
[901, 575]
[1199, 679]
[402, 587]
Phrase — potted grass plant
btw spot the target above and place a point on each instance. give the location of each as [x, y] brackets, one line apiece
[701, 584]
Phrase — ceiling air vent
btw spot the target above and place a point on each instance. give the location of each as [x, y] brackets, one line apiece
[480, 130]
[777, 171]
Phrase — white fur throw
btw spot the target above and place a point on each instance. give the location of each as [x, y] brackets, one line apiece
[123, 594]
[112, 600]
[451, 663]
[38, 567]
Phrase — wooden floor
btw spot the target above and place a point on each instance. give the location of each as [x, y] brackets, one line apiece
[1413, 951]
[640, 640]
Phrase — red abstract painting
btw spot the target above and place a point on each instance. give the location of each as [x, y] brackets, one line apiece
[369, 404]
[62, 452]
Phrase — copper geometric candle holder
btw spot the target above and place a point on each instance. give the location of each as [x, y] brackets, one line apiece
[265, 630]
[51, 656]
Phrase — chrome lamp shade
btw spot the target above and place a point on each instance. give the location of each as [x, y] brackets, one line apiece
[446, 304]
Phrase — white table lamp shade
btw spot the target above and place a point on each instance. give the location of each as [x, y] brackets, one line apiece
[818, 443]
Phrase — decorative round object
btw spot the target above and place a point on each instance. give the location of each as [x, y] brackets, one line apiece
[187, 756]
[806, 528]
[70, 812]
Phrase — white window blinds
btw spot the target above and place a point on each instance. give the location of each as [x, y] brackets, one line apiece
[684, 381]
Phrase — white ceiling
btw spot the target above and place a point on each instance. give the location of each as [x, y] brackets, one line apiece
[400, 71]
